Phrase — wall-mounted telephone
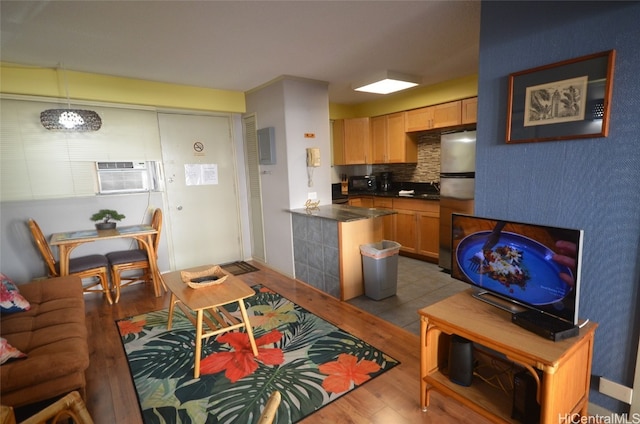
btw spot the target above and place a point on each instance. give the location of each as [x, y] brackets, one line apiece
[313, 157]
[313, 161]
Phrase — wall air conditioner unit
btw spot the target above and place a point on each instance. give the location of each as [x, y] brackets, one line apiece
[128, 177]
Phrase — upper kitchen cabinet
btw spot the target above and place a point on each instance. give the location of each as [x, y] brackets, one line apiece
[351, 141]
[389, 141]
[418, 119]
[470, 111]
[447, 115]
[444, 115]
[337, 137]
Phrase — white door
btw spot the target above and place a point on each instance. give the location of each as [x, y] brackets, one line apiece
[200, 173]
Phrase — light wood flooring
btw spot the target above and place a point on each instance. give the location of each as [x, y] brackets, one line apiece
[391, 398]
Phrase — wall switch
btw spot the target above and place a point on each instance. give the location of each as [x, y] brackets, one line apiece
[313, 195]
[615, 390]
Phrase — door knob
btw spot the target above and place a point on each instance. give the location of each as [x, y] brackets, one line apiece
[179, 208]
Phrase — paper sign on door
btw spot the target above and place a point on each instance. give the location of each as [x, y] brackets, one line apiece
[200, 174]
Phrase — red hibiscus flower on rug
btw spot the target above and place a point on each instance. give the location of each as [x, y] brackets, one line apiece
[131, 327]
[346, 370]
[240, 362]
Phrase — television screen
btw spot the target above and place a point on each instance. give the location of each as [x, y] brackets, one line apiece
[533, 265]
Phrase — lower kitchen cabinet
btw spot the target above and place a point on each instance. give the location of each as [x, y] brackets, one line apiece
[417, 226]
[379, 203]
[428, 234]
[361, 201]
[406, 230]
[386, 203]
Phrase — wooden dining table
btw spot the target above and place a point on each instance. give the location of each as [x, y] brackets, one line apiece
[67, 241]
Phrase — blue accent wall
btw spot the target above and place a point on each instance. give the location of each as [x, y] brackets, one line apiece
[592, 184]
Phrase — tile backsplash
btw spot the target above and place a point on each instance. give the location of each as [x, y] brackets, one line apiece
[426, 170]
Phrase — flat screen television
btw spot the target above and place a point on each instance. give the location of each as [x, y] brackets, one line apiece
[527, 265]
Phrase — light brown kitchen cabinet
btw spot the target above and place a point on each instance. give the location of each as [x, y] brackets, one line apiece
[417, 226]
[357, 143]
[351, 141]
[470, 110]
[418, 119]
[401, 148]
[380, 203]
[361, 201]
[428, 233]
[378, 139]
[406, 230]
[447, 115]
[447, 207]
[389, 141]
[432, 117]
[386, 203]
[337, 137]
[450, 114]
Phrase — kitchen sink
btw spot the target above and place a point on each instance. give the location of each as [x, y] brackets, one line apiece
[432, 196]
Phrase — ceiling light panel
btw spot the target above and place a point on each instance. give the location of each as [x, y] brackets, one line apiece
[387, 82]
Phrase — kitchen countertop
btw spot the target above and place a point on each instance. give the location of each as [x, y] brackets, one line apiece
[343, 213]
[422, 191]
[395, 194]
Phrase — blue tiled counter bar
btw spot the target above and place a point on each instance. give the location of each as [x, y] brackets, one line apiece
[326, 246]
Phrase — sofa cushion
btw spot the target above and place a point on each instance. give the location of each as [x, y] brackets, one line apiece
[10, 298]
[53, 334]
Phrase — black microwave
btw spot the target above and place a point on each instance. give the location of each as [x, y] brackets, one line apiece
[362, 183]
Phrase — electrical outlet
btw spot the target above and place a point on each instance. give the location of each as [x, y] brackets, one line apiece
[615, 390]
[313, 195]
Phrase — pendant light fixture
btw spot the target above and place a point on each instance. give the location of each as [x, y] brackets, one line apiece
[73, 120]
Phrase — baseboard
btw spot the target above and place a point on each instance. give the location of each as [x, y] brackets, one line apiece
[606, 415]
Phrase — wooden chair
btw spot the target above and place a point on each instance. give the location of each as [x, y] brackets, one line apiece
[270, 409]
[89, 266]
[71, 406]
[134, 259]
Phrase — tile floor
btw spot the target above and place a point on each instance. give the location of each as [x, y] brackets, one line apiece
[419, 284]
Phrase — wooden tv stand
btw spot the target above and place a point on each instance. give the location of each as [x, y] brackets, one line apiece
[563, 389]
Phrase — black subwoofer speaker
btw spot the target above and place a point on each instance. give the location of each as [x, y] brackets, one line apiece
[525, 405]
[461, 361]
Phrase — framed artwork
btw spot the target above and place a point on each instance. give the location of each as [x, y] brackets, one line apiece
[561, 101]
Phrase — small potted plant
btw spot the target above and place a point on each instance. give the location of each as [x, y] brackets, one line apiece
[107, 216]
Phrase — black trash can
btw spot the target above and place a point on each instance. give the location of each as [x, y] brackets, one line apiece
[380, 268]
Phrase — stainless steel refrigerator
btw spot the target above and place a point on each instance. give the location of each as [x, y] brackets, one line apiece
[457, 184]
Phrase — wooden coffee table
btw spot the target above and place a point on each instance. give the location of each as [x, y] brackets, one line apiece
[211, 299]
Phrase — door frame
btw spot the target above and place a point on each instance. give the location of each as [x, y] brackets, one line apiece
[237, 143]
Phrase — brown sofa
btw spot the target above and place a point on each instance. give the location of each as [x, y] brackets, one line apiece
[53, 334]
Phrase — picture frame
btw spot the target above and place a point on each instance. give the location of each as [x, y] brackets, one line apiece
[561, 101]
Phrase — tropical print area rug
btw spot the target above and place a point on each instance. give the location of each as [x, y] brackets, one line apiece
[310, 361]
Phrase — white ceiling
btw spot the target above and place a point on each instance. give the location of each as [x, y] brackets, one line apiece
[240, 45]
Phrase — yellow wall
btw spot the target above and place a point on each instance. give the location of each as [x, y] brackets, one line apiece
[49, 82]
[447, 91]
